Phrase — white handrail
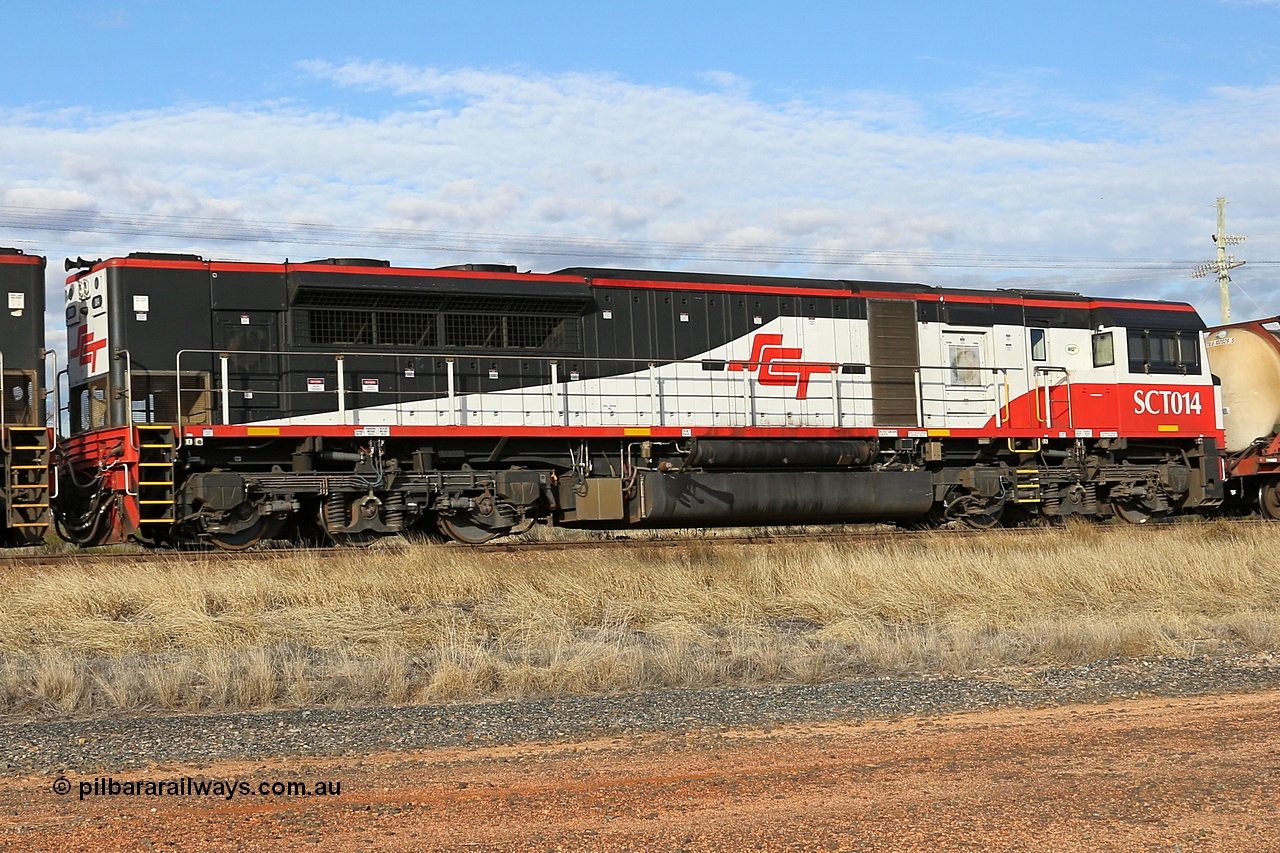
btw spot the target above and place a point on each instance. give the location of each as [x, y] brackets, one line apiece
[226, 389]
[57, 396]
[556, 408]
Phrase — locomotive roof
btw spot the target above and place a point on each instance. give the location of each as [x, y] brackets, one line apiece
[719, 278]
[17, 256]
[356, 269]
[849, 285]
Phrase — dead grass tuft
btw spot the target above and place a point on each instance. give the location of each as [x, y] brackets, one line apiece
[431, 623]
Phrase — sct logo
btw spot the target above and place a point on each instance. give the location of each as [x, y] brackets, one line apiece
[779, 365]
[1166, 402]
[85, 350]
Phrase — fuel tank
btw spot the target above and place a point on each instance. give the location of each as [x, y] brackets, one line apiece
[780, 497]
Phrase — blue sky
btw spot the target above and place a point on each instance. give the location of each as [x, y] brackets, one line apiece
[962, 143]
[146, 55]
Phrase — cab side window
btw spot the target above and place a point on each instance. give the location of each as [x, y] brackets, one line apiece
[1164, 351]
[1104, 349]
[1039, 345]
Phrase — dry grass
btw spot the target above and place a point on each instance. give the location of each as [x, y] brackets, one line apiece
[425, 623]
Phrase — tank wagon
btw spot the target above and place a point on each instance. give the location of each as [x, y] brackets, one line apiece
[25, 441]
[349, 399]
[1246, 358]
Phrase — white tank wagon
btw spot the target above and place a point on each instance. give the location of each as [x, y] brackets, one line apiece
[1246, 359]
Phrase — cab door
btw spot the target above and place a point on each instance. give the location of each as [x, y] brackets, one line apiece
[1050, 393]
[251, 340]
[969, 386]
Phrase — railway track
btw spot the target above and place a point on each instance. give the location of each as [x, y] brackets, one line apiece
[16, 559]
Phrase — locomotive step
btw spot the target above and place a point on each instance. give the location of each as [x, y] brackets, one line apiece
[28, 506]
[157, 503]
[155, 521]
[155, 483]
[29, 485]
[30, 524]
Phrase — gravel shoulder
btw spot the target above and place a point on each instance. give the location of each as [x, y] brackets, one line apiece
[884, 765]
[127, 743]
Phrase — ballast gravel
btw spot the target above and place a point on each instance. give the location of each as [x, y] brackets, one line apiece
[96, 745]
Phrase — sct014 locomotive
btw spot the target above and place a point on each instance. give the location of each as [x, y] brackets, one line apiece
[346, 399]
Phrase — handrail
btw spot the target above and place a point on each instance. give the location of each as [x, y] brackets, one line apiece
[1043, 370]
[556, 407]
[1008, 402]
[127, 393]
[698, 362]
[57, 396]
[226, 388]
[57, 380]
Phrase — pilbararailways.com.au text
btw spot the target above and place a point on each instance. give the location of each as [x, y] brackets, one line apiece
[189, 786]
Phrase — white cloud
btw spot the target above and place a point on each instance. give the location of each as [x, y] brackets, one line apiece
[997, 171]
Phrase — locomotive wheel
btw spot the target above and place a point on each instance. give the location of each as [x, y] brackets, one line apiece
[986, 516]
[984, 520]
[242, 540]
[1269, 499]
[1130, 511]
[463, 529]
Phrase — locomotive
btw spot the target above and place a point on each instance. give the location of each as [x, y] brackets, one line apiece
[25, 440]
[345, 399]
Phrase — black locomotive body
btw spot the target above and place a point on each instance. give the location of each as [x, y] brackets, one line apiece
[25, 441]
[349, 399]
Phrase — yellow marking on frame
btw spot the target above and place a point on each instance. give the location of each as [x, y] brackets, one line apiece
[262, 430]
[640, 431]
[1167, 427]
[939, 433]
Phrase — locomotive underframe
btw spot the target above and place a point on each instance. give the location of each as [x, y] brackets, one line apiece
[235, 493]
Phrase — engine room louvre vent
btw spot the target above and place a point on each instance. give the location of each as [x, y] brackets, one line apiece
[515, 305]
[427, 320]
[368, 300]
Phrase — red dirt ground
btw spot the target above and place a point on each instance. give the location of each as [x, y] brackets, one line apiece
[1200, 774]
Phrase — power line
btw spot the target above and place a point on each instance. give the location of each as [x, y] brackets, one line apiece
[206, 229]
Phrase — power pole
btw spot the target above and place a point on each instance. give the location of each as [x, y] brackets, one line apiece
[1224, 262]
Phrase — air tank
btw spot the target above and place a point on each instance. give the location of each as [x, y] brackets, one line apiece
[1246, 358]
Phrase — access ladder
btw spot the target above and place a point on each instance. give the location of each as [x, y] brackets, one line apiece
[157, 455]
[26, 458]
[1026, 485]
